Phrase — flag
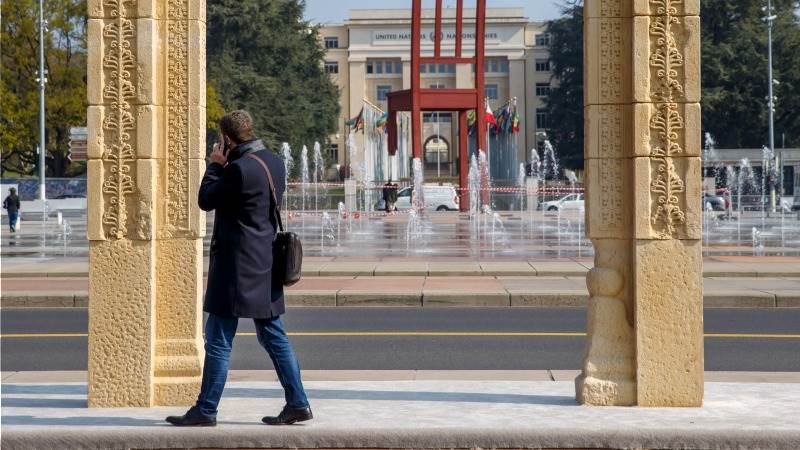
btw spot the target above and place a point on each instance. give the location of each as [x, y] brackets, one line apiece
[507, 115]
[383, 122]
[490, 115]
[515, 122]
[471, 118]
[502, 120]
[356, 123]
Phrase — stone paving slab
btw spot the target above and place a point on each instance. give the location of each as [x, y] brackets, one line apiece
[507, 268]
[401, 268]
[411, 414]
[454, 268]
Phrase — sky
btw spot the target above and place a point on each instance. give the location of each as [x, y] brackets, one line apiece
[325, 11]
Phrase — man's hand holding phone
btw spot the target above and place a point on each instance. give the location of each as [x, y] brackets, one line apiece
[220, 153]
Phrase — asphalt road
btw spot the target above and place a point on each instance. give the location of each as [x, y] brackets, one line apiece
[422, 338]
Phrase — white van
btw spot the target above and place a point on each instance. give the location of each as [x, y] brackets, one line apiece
[437, 198]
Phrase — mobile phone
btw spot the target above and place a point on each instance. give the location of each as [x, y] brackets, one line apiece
[223, 141]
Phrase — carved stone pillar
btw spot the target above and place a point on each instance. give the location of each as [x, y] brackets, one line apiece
[146, 89]
[642, 81]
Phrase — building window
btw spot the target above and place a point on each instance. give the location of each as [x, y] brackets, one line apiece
[380, 67]
[333, 153]
[437, 68]
[543, 65]
[496, 65]
[383, 90]
[542, 117]
[438, 86]
[437, 117]
[331, 67]
[542, 89]
[543, 40]
[492, 92]
[331, 42]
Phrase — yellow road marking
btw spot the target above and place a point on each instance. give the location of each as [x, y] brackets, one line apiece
[428, 334]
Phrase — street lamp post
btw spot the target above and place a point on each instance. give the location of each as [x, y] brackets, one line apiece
[770, 21]
[42, 81]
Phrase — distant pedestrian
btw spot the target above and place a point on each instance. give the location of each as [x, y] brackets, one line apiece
[11, 204]
[390, 197]
[240, 282]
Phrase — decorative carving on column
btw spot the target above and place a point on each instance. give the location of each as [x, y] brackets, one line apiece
[118, 90]
[177, 179]
[667, 216]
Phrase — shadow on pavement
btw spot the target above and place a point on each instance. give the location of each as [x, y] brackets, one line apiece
[465, 397]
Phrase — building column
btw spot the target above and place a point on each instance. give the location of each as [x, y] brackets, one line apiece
[406, 74]
[146, 91]
[358, 83]
[645, 319]
[517, 85]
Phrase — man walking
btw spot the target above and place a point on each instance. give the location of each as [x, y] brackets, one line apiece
[11, 205]
[240, 271]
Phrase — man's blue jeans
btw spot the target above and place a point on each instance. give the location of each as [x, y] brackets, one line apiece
[219, 341]
[12, 221]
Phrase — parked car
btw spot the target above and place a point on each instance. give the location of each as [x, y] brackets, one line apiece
[717, 202]
[437, 198]
[569, 202]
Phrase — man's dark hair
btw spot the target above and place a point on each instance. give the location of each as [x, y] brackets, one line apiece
[237, 125]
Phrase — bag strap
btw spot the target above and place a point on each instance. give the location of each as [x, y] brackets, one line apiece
[271, 188]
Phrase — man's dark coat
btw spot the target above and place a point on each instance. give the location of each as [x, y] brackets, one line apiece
[240, 269]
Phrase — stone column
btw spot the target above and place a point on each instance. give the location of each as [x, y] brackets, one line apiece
[146, 90]
[645, 326]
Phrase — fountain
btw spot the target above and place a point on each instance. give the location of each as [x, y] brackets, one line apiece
[418, 194]
[550, 161]
[319, 174]
[304, 175]
[758, 243]
[536, 167]
[326, 231]
[288, 163]
[485, 182]
[521, 175]
[473, 183]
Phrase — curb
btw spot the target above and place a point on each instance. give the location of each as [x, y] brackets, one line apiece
[516, 436]
[428, 299]
[380, 271]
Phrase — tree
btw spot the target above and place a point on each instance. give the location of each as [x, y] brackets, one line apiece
[263, 57]
[734, 75]
[565, 103]
[65, 63]
[734, 72]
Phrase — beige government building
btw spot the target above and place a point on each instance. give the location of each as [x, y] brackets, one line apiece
[369, 55]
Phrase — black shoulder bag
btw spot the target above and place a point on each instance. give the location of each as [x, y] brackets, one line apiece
[287, 251]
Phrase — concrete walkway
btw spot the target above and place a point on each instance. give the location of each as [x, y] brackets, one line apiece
[411, 414]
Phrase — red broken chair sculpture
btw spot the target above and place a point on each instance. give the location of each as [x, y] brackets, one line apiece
[416, 100]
